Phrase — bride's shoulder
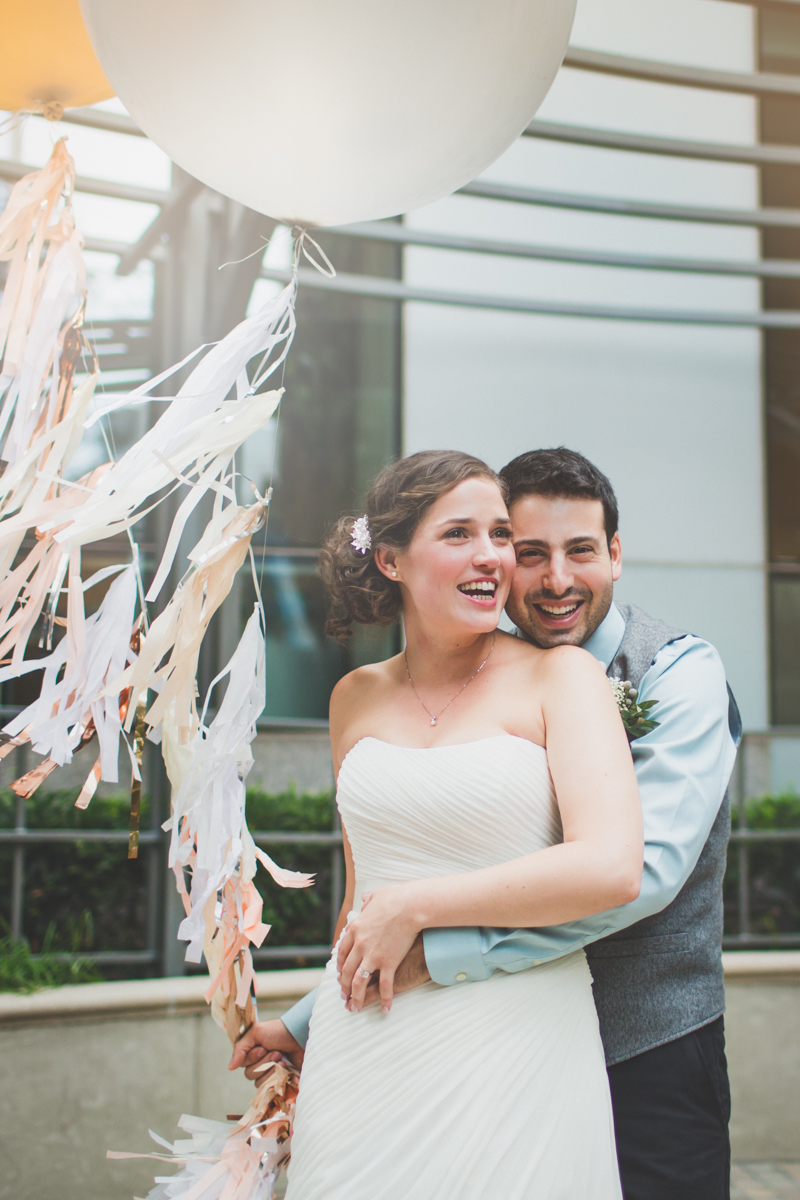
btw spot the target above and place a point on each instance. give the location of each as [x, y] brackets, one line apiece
[572, 667]
[570, 663]
[362, 685]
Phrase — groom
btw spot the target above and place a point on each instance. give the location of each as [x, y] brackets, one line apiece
[656, 962]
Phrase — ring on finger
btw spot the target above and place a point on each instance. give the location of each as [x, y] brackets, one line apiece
[364, 973]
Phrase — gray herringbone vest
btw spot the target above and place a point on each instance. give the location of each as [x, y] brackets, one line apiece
[662, 977]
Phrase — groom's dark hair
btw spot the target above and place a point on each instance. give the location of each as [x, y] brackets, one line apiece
[561, 472]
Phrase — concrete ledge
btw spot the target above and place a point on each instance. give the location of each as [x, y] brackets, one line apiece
[120, 1058]
[742, 966]
[183, 994]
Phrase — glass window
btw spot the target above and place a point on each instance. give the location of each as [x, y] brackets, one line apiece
[779, 40]
[786, 650]
[338, 425]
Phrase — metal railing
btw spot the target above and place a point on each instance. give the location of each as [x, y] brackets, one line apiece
[752, 778]
[164, 955]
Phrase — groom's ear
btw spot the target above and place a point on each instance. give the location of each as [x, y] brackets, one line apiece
[615, 553]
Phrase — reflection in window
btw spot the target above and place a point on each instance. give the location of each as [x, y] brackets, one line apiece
[302, 664]
[338, 426]
[339, 420]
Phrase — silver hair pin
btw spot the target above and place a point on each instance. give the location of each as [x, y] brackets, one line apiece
[362, 539]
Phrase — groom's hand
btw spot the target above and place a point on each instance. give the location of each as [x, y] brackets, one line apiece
[265, 1041]
[412, 973]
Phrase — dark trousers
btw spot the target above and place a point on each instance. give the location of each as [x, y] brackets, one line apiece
[671, 1111]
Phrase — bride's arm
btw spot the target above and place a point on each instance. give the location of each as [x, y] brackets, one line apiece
[598, 865]
[349, 886]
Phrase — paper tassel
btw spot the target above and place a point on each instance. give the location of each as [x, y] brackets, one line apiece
[224, 1162]
[36, 300]
[96, 680]
[196, 438]
[209, 829]
[175, 636]
[93, 652]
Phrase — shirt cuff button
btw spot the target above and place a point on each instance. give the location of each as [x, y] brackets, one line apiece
[461, 976]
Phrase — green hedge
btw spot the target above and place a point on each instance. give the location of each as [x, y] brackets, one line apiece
[65, 882]
[774, 873]
[88, 896]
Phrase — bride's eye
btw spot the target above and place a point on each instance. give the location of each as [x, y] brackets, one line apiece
[458, 532]
[502, 533]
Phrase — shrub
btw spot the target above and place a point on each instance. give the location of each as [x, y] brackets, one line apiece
[21, 972]
[64, 881]
[92, 891]
[774, 873]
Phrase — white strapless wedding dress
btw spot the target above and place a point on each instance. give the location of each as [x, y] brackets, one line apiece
[488, 1090]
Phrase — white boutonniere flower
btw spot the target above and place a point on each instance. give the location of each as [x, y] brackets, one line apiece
[635, 717]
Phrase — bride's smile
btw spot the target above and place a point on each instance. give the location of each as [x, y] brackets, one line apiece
[457, 570]
[480, 591]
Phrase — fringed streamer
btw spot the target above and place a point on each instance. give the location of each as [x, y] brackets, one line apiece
[209, 827]
[223, 920]
[227, 1161]
[96, 679]
[72, 706]
[90, 786]
[30, 221]
[136, 783]
[7, 744]
[41, 421]
[176, 634]
[30, 493]
[198, 434]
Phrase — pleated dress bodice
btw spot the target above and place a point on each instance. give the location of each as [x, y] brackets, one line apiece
[415, 812]
[490, 1088]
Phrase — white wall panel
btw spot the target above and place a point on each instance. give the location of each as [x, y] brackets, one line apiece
[671, 413]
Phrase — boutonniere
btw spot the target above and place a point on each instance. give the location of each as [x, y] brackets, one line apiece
[635, 717]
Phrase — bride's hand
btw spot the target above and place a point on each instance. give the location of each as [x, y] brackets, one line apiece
[377, 940]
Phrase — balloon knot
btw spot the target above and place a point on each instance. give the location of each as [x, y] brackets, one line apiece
[52, 110]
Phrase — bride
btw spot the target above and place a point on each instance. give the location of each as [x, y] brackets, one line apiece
[481, 781]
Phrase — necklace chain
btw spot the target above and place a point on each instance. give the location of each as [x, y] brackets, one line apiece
[435, 717]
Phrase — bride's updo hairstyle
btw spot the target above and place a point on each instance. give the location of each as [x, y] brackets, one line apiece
[397, 501]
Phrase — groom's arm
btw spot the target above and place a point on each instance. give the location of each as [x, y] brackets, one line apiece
[682, 767]
[297, 1018]
[410, 974]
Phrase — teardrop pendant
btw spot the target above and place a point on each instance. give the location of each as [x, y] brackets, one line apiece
[433, 720]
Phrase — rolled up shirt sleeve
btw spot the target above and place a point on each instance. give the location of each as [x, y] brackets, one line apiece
[298, 1017]
[682, 767]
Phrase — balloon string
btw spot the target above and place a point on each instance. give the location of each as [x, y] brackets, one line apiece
[325, 268]
[259, 250]
[13, 121]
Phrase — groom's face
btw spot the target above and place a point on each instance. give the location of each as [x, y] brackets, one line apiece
[564, 580]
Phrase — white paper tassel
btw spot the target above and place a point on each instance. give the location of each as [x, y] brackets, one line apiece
[198, 434]
[93, 652]
[209, 829]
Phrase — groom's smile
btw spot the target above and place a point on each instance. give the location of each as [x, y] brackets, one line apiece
[564, 580]
[561, 615]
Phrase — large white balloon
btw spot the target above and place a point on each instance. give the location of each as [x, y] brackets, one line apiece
[331, 111]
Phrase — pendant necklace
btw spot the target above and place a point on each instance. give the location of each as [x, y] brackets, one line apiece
[435, 718]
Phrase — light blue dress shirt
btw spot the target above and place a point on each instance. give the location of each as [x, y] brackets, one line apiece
[682, 768]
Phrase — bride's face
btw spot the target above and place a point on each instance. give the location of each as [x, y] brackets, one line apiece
[457, 571]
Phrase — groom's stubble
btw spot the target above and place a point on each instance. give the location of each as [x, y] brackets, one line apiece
[563, 560]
